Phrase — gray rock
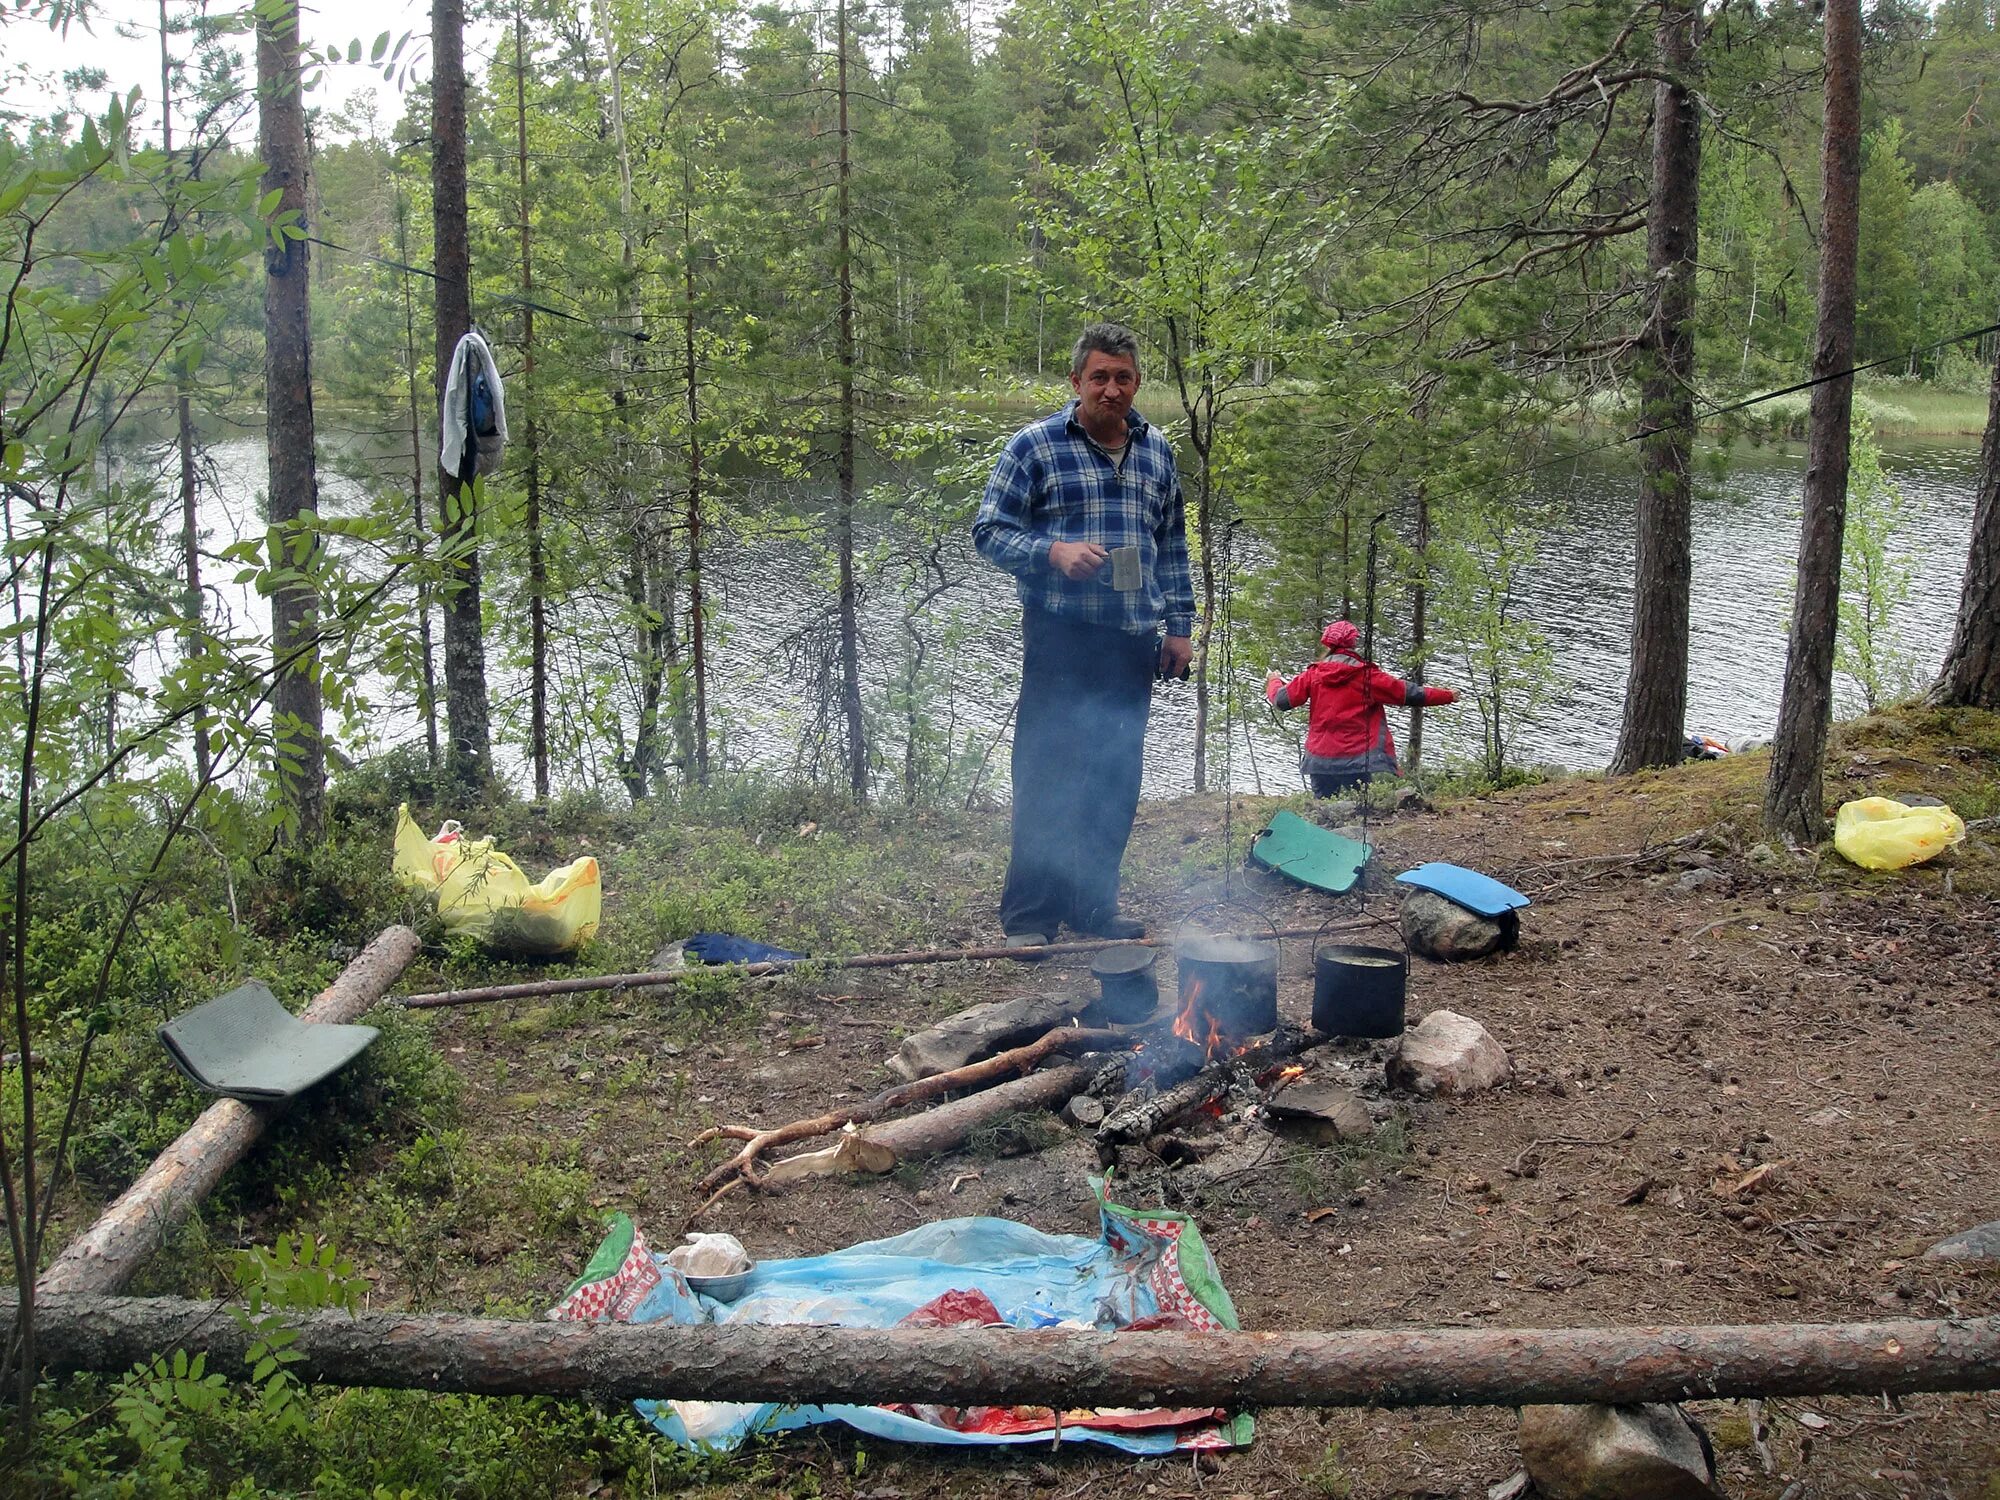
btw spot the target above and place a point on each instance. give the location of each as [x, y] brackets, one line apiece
[1650, 1452]
[1979, 1243]
[979, 1032]
[1440, 928]
[1766, 857]
[1446, 1053]
[1699, 878]
[1321, 1112]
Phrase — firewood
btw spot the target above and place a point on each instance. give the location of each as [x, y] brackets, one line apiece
[884, 1147]
[972, 1075]
[1140, 1117]
[1048, 1367]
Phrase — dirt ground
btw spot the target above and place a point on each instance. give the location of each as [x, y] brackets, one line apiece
[1795, 1012]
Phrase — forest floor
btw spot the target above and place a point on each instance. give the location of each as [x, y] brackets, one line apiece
[1843, 1023]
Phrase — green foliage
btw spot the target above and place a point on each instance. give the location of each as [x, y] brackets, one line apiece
[1875, 578]
[1482, 550]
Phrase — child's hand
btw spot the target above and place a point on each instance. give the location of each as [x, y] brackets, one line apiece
[1271, 685]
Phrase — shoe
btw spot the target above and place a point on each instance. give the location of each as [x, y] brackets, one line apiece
[1117, 925]
[1030, 940]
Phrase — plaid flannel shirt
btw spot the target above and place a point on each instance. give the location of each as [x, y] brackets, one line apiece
[1053, 484]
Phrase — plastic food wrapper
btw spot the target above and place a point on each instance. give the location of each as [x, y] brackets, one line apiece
[709, 1255]
[1879, 834]
[1142, 1271]
[485, 895]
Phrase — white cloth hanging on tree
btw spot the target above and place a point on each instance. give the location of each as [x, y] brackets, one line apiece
[475, 410]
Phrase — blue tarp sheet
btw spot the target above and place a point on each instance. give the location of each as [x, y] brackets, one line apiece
[1140, 1266]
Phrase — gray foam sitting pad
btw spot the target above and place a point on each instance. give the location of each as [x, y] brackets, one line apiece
[247, 1045]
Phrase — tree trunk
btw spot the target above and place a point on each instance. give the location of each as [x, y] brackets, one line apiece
[192, 603]
[1048, 1366]
[538, 576]
[297, 713]
[1201, 434]
[643, 769]
[697, 625]
[421, 526]
[1656, 686]
[1793, 796]
[850, 625]
[106, 1256]
[1420, 593]
[469, 761]
[1971, 674]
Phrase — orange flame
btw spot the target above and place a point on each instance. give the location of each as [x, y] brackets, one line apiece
[1187, 1025]
[1292, 1070]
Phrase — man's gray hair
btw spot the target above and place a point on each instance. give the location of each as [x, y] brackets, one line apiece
[1114, 339]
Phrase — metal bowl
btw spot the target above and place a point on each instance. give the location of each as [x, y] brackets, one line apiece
[720, 1288]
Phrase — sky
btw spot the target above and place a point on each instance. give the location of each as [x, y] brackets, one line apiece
[122, 38]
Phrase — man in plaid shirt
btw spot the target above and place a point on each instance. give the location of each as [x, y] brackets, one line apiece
[1084, 509]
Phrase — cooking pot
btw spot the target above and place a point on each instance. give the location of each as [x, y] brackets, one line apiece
[1358, 990]
[1237, 978]
[1126, 989]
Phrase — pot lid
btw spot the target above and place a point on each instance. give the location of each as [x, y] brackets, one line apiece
[1131, 960]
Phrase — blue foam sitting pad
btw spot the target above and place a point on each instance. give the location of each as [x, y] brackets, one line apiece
[727, 948]
[245, 1044]
[1480, 894]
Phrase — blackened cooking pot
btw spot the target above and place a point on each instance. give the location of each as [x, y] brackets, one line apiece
[1233, 979]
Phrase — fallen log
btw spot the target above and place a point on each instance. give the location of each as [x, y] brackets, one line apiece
[1139, 1117]
[882, 1148]
[1052, 1367]
[659, 978]
[106, 1256]
[972, 1075]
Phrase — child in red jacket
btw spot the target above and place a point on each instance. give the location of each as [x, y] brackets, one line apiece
[1347, 738]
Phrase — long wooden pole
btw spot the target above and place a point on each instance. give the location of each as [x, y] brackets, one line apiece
[545, 987]
[955, 1366]
[106, 1256]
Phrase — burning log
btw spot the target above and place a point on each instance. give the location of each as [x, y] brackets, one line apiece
[973, 1075]
[1141, 1116]
[1059, 1367]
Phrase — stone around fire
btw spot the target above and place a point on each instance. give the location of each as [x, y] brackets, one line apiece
[1437, 927]
[1447, 1053]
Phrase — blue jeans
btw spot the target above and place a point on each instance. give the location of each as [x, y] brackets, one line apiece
[1078, 741]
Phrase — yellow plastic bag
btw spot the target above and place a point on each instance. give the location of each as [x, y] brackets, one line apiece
[1879, 834]
[483, 894]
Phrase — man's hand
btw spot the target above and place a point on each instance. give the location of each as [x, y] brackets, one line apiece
[1077, 561]
[1176, 651]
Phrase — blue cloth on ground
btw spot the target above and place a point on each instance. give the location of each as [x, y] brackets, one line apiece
[727, 948]
[1141, 1265]
[1480, 894]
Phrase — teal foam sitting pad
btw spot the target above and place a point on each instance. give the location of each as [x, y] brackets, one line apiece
[1479, 894]
[247, 1045]
[1309, 854]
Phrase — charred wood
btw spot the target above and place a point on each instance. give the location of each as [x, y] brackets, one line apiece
[1138, 1118]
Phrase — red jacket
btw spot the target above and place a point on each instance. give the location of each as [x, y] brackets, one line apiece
[1348, 732]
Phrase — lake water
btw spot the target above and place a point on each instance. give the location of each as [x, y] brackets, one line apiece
[1579, 592]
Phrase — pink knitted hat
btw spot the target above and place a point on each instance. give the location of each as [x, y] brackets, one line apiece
[1340, 636]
